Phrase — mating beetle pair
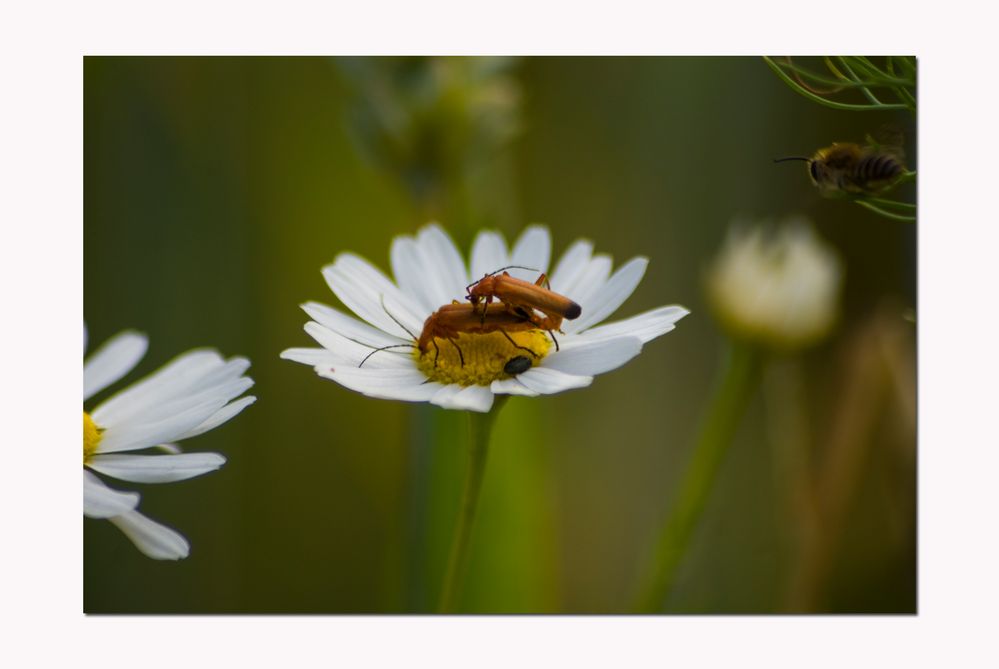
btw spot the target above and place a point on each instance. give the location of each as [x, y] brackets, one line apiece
[520, 306]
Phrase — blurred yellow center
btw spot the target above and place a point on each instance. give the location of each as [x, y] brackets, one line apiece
[91, 436]
[487, 357]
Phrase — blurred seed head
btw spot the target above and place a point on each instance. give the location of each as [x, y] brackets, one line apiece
[778, 288]
[427, 118]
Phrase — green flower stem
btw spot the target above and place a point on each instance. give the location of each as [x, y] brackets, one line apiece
[480, 428]
[740, 378]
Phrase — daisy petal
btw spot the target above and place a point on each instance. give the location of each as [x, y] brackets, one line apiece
[152, 539]
[408, 385]
[113, 360]
[511, 387]
[546, 381]
[445, 268]
[156, 468]
[348, 353]
[533, 249]
[594, 276]
[309, 356]
[133, 437]
[646, 326]
[488, 254]
[223, 415]
[570, 266]
[172, 449]
[444, 394]
[100, 501]
[475, 398]
[213, 389]
[610, 295]
[347, 327]
[396, 309]
[589, 359]
[410, 273]
[363, 290]
[171, 380]
[467, 398]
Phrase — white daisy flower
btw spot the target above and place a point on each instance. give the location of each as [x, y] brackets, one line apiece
[778, 288]
[192, 394]
[467, 372]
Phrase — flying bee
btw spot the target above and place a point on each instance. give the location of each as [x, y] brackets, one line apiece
[847, 170]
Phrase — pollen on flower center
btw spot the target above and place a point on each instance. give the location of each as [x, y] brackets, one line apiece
[91, 436]
[485, 356]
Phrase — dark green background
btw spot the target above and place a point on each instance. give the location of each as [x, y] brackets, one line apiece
[216, 188]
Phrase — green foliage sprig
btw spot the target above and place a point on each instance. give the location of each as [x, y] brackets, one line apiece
[894, 78]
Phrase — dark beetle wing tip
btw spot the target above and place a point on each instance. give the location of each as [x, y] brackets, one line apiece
[573, 311]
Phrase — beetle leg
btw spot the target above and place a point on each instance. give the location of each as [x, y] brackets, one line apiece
[461, 357]
[522, 348]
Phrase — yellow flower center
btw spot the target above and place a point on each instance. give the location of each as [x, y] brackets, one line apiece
[91, 436]
[483, 358]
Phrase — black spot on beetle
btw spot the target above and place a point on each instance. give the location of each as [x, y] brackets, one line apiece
[518, 365]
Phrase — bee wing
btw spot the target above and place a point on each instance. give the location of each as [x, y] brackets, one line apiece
[889, 138]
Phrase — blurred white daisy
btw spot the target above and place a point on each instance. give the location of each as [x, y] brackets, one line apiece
[429, 273]
[777, 288]
[192, 394]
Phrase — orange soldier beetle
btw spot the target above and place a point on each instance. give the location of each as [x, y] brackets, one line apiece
[524, 298]
[452, 319]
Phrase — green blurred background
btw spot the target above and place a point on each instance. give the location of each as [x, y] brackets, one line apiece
[216, 188]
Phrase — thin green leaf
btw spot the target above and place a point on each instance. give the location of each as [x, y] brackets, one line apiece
[821, 79]
[887, 214]
[823, 101]
[863, 89]
[870, 70]
[865, 65]
[882, 202]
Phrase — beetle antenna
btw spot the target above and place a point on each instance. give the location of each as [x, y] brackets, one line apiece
[502, 269]
[383, 348]
[781, 160]
[552, 335]
[381, 298]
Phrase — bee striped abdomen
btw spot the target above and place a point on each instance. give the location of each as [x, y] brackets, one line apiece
[879, 167]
